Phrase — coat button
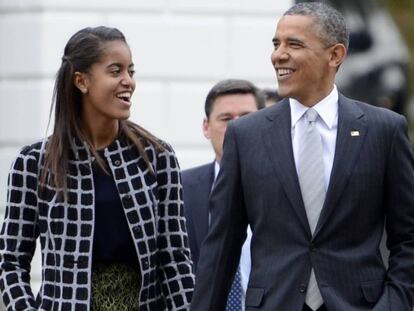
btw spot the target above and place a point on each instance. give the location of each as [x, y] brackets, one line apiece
[145, 264]
[302, 288]
[117, 162]
[312, 247]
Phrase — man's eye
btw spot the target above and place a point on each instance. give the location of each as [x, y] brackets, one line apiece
[296, 45]
[131, 73]
[116, 71]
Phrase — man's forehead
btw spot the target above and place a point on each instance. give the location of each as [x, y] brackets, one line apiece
[232, 103]
[295, 20]
[295, 25]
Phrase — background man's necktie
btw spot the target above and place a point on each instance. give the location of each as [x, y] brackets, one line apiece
[312, 185]
[234, 300]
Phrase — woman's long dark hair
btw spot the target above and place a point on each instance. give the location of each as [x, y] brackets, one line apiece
[84, 48]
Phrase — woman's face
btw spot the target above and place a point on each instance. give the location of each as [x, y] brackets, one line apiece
[108, 86]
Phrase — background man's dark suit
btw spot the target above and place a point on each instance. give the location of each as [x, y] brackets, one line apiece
[372, 180]
[197, 183]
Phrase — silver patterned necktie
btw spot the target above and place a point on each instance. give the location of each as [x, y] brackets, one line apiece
[312, 185]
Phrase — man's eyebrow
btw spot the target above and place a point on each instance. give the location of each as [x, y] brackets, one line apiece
[290, 39]
[295, 40]
[225, 114]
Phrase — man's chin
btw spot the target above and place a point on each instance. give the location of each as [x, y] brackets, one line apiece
[283, 93]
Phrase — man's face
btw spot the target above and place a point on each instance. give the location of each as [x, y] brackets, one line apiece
[303, 64]
[224, 109]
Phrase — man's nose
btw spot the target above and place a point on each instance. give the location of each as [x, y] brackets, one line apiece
[280, 54]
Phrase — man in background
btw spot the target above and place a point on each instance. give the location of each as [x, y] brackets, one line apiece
[227, 100]
[271, 97]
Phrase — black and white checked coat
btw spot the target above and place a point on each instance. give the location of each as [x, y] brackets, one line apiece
[154, 210]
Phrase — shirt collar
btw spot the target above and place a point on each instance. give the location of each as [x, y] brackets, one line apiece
[216, 169]
[327, 109]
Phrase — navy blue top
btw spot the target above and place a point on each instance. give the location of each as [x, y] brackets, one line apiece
[112, 241]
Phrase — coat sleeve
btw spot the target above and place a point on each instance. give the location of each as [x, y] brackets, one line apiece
[174, 253]
[399, 209]
[220, 252]
[19, 233]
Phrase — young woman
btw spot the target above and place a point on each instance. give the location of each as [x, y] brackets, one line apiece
[102, 193]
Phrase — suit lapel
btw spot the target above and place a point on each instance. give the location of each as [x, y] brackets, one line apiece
[278, 143]
[352, 131]
[202, 191]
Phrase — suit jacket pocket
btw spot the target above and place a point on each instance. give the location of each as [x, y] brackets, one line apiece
[372, 290]
[254, 296]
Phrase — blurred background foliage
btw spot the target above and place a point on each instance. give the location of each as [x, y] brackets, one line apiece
[403, 14]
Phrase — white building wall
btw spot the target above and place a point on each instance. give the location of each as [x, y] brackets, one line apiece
[180, 49]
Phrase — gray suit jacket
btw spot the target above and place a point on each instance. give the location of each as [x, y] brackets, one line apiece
[371, 185]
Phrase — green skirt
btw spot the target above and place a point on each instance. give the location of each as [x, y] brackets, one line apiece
[115, 288]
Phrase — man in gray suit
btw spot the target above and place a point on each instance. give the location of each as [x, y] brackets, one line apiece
[227, 100]
[317, 177]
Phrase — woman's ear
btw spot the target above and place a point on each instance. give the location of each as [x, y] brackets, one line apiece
[338, 53]
[81, 81]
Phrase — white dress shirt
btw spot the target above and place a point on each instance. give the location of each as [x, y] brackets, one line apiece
[245, 259]
[326, 123]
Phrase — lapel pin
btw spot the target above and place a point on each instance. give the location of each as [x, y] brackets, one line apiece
[354, 133]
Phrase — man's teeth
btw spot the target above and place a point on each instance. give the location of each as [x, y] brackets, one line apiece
[283, 71]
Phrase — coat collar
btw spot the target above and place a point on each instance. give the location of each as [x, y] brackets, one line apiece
[352, 131]
[278, 142]
[81, 150]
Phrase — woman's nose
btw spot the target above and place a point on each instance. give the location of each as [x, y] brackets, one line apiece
[127, 79]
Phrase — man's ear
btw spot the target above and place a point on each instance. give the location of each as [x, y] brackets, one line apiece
[81, 81]
[337, 56]
[205, 128]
